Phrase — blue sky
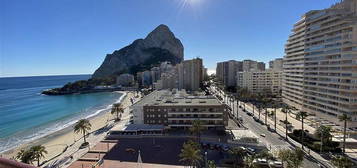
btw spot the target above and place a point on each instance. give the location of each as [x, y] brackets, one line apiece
[55, 37]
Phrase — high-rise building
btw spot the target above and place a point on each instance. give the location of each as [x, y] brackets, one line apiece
[261, 82]
[190, 74]
[226, 72]
[250, 65]
[276, 65]
[320, 65]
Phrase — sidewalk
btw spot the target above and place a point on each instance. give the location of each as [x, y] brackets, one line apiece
[281, 131]
[73, 152]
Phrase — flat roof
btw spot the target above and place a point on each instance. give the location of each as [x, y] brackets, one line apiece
[243, 134]
[176, 98]
[143, 127]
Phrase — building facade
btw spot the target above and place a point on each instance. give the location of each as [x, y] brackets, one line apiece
[190, 74]
[177, 109]
[250, 65]
[320, 65]
[276, 65]
[261, 82]
[226, 72]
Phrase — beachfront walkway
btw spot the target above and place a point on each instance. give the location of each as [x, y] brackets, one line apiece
[73, 152]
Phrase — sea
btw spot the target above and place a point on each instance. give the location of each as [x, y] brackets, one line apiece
[26, 114]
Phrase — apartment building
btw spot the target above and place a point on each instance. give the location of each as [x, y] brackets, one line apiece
[177, 109]
[191, 74]
[250, 65]
[261, 82]
[276, 65]
[320, 65]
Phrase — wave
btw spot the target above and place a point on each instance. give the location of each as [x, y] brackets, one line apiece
[27, 136]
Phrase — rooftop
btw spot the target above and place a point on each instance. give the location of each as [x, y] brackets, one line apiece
[176, 98]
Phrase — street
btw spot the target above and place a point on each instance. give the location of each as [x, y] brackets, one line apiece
[273, 141]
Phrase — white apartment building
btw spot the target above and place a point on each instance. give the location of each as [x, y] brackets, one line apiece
[257, 82]
[320, 65]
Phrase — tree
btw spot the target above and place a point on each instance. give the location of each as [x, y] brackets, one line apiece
[243, 95]
[302, 115]
[286, 109]
[265, 154]
[284, 155]
[249, 162]
[324, 133]
[117, 109]
[344, 118]
[275, 105]
[25, 156]
[293, 158]
[266, 101]
[237, 154]
[342, 162]
[196, 129]
[297, 157]
[38, 152]
[211, 164]
[83, 126]
[191, 154]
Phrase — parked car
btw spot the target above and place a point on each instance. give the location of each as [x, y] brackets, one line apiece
[262, 135]
[276, 164]
[251, 151]
[225, 148]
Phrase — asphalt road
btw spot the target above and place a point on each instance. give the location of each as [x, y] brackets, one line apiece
[272, 140]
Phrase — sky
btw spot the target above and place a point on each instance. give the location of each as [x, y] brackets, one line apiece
[60, 37]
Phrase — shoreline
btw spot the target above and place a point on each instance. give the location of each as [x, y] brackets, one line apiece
[58, 141]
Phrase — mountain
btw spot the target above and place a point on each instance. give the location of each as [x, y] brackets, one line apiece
[158, 46]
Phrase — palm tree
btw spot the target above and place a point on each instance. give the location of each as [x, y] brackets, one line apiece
[286, 109]
[324, 133]
[342, 162]
[117, 109]
[344, 118]
[266, 101]
[38, 152]
[237, 154]
[302, 115]
[196, 129]
[25, 156]
[243, 95]
[191, 154]
[275, 105]
[83, 126]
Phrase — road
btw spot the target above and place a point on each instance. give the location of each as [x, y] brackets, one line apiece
[273, 141]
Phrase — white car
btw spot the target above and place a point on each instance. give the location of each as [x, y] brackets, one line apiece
[263, 135]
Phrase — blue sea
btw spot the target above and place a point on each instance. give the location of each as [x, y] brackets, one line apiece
[26, 114]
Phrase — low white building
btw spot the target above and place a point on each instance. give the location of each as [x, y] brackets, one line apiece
[244, 136]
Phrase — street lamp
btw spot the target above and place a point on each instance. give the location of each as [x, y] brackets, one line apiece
[206, 159]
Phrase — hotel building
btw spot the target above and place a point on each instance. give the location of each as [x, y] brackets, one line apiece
[177, 109]
[320, 65]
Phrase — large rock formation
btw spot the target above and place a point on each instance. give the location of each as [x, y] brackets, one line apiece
[160, 45]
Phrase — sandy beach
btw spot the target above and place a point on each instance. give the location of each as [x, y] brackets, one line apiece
[65, 143]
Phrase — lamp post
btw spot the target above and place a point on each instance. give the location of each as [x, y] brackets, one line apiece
[206, 159]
